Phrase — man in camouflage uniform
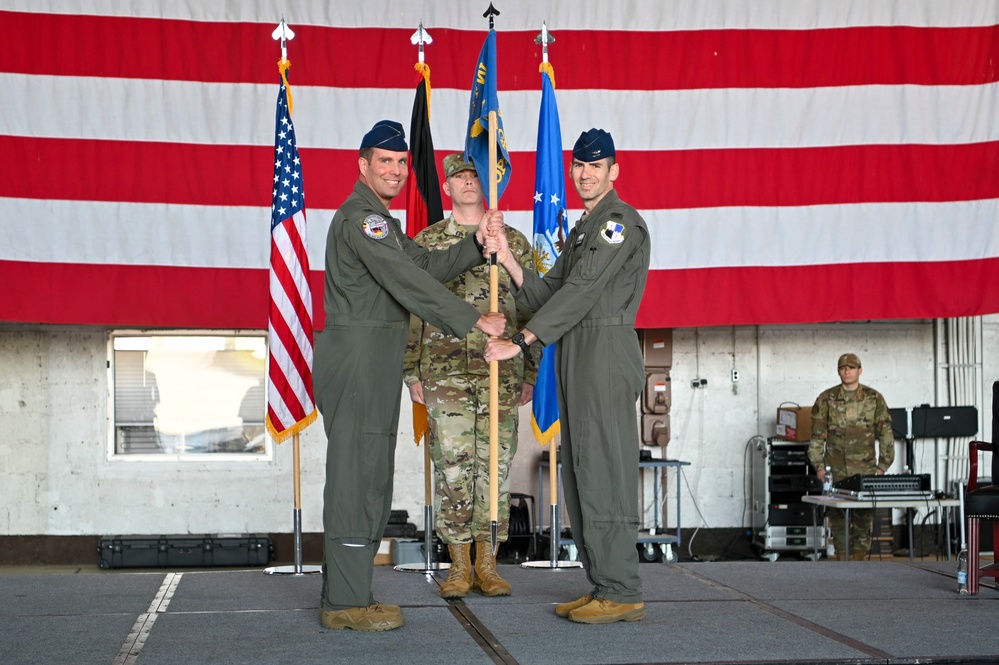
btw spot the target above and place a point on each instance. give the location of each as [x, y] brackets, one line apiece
[450, 376]
[587, 304]
[847, 421]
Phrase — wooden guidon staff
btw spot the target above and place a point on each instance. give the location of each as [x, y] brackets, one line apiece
[493, 307]
[493, 364]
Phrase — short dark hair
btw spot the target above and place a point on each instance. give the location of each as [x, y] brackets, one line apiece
[611, 161]
[365, 153]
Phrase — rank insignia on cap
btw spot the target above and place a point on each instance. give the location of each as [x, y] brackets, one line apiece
[375, 227]
[613, 233]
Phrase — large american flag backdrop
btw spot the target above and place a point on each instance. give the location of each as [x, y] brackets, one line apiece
[796, 160]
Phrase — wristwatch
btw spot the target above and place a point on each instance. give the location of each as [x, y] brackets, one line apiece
[518, 339]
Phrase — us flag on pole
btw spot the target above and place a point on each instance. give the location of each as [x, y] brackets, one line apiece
[290, 405]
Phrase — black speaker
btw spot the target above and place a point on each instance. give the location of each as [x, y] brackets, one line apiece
[930, 422]
[899, 423]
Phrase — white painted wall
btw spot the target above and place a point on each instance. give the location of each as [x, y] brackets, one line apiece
[57, 478]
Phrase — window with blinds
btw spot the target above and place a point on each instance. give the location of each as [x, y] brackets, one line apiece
[176, 394]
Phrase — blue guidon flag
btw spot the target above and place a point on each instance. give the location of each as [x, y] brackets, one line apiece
[483, 100]
[550, 222]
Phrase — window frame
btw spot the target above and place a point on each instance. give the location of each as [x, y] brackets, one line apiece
[112, 454]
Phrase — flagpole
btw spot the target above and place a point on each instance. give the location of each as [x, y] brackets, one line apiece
[493, 364]
[422, 37]
[555, 514]
[297, 568]
[284, 33]
[297, 475]
[428, 565]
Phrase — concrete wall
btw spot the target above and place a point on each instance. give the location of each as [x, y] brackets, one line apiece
[58, 478]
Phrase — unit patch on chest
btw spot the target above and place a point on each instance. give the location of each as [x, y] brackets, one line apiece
[376, 227]
[612, 232]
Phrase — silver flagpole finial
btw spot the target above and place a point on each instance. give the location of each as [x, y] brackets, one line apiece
[544, 38]
[284, 33]
[421, 37]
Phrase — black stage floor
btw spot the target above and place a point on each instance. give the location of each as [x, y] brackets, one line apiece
[719, 612]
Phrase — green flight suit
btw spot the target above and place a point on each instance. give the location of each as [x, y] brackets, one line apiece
[373, 281]
[587, 304]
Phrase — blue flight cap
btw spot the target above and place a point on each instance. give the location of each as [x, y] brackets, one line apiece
[387, 135]
[593, 145]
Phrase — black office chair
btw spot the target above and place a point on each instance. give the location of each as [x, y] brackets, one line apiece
[982, 503]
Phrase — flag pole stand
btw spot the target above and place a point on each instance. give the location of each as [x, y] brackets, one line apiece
[555, 519]
[297, 568]
[428, 565]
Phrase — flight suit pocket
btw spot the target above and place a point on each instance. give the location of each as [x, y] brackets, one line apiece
[589, 265]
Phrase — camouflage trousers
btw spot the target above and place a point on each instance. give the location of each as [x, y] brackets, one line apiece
[845, 460]
[861, 526]
[458, 414]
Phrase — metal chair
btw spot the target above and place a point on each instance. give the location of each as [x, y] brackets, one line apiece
[982, 503]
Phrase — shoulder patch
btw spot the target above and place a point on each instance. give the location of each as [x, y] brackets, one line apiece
[375, 226]
[612, 232]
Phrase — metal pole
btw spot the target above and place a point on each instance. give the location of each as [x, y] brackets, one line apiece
[298, 568]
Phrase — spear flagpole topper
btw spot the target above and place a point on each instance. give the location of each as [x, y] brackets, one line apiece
[490, 13]
[544, 38]
[284, 33]
[421, 37]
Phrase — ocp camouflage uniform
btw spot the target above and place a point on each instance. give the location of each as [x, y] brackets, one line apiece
[845, 427]
[455, 379]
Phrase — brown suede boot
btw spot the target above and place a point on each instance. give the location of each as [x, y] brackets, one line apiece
[459, 576]
[375, 617]
[487, 580]
[563, 609]
[601, 610]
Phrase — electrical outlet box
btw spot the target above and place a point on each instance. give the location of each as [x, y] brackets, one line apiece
[735, 376]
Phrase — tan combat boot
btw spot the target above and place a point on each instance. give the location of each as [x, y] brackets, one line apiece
[563, 609]
[459, 576]
[375, 617]
[487, 580]
[601, 610]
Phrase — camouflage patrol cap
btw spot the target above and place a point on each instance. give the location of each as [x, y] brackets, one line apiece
[848, 360]
[455, 163]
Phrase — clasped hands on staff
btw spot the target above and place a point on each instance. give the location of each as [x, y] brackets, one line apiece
[503, 349]
[493, 240]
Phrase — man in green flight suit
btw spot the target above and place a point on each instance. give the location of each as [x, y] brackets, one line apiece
[376, 276]
[848, 421]
[450, 376]
[587, 304]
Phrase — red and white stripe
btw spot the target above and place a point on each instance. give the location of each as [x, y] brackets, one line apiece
[290, 403]
[796, 160]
